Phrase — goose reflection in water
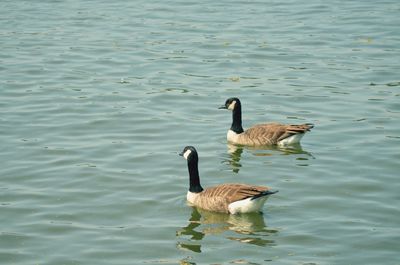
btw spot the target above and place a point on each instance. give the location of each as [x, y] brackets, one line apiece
[235, 153]
[247, 228]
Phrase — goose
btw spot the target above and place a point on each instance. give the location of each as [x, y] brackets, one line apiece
[262, 134]
[230, 198]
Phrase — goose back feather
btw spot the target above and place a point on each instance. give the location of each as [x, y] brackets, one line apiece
[269, 134]
[220, 197]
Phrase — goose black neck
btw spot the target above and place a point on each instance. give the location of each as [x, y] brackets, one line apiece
[237, 118]
[194, 178]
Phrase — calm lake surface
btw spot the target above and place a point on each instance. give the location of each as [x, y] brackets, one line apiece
[98, 97]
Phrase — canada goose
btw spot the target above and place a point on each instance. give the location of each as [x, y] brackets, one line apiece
[262, 134]
[228, 198]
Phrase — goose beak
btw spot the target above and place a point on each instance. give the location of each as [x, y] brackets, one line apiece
[181, 153]
[223, 107]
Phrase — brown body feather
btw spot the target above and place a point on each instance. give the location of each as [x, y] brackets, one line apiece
[270, 133]
[219, 197]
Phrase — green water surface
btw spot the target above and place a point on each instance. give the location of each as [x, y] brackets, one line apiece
[98, 97]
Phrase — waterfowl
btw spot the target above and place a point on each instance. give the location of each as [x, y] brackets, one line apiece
[262, 134]
[228, 198]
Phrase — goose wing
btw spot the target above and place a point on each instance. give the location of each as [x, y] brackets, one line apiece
[272, 133]
[219, 197]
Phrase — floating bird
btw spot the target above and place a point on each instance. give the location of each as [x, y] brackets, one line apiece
[262, 134]
[228, 198]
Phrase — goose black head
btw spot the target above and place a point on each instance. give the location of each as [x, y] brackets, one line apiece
[189, 153]
[231, 103]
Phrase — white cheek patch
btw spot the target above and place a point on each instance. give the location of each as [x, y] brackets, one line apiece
[232, 105]
[187, 153]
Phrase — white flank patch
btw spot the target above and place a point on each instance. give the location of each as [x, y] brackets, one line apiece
[187, 153]
[247, 205]
[232, 136]
[191, 196]
[294, 139]
[232, 105]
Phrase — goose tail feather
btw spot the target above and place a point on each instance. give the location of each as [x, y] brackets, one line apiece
[264, 193]
[310, 126]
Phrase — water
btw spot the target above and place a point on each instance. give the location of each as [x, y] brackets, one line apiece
[98, 97]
